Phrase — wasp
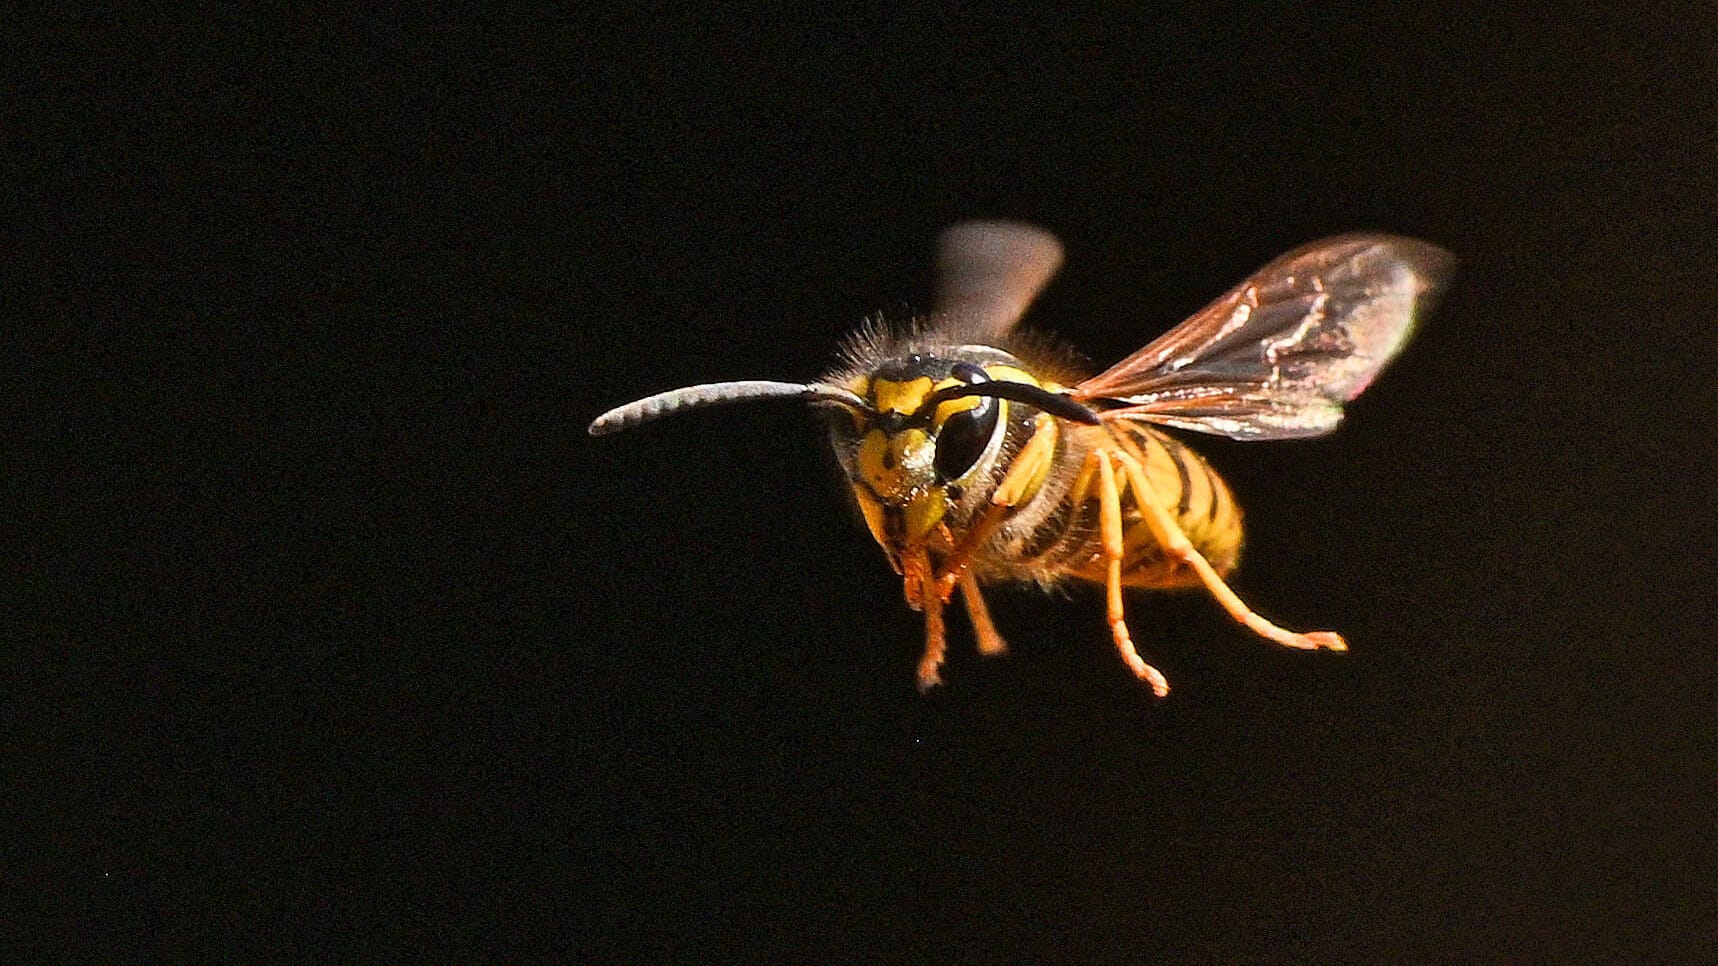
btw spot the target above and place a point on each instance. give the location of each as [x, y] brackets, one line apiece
[978, 453]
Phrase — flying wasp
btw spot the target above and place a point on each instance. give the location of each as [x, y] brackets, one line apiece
[976, 454]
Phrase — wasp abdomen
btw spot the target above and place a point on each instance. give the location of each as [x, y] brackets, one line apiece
[1198, 498]
[1185, 486]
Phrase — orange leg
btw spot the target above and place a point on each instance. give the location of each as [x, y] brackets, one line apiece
[956, 566]
[1110, 525]
[936, 644]
[922, 595]
[1168, 534]
[990, 643]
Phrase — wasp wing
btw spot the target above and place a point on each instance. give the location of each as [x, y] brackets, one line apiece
[988, 272]
[1277, 356]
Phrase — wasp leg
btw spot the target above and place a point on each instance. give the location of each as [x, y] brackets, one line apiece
[990, 643]
[1169, 535]
[1024, 476]
[1109, 522]
[960, 561]
[935, 644]
[922, 595]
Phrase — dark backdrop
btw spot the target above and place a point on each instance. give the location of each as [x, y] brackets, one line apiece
[335, 631]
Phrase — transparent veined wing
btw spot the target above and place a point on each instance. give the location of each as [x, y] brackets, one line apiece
[988, 272]
[1277, 356]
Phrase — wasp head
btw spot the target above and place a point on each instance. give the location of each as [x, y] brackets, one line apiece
[931, 442]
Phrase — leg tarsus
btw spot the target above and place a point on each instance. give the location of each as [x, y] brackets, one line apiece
[935, 644]
[1256, 622]
[921, 594]
[1136, 664]
[1175, 543]
[1320, 641]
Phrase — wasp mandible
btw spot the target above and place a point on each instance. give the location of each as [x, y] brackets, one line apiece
[980, 454]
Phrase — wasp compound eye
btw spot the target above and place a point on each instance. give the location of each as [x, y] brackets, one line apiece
[964, 437]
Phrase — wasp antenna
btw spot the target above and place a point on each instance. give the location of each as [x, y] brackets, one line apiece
[717, 394]
[1053, 403]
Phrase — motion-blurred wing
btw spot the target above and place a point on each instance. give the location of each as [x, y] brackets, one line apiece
[1278, 355]
[988, 272]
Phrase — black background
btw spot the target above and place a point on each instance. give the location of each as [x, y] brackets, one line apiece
[338, 633]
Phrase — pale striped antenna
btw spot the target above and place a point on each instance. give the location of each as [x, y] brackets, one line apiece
[719, 394]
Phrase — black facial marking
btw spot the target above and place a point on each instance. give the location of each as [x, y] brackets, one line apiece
[894, 525]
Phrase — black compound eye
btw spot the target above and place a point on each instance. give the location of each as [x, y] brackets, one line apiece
[964, 436]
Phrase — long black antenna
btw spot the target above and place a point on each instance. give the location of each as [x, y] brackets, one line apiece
[1053, 403]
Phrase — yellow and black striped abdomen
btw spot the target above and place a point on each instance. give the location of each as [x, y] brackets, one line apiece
[1185, 485]
[1193, 494]
[1057, 535]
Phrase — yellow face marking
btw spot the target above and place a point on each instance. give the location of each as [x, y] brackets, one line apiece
[952, 406]
[924, 513]
[873, 512]
[900, 397]
[894, 465]
[1015, 374]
